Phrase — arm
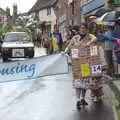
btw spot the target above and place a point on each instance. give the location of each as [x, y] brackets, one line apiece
[93, 39]
[68, 47]
[104, 37]
[76, 37]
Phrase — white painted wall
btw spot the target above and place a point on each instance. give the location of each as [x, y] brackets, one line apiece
[44, 17]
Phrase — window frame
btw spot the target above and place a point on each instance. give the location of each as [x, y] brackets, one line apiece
[48, 11]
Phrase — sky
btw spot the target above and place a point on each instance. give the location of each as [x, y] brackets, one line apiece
[23, 5]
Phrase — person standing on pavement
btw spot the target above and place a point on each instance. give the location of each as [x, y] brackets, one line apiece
[54, 43]
[59, 39]
[108, 45]
[46, 44]
[83, 38]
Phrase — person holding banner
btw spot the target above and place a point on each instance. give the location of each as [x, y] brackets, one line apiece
[83, 38]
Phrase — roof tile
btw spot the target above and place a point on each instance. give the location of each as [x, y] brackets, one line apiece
[41, 4]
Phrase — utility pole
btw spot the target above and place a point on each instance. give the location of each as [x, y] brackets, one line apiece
[73, 11]
[80, 10]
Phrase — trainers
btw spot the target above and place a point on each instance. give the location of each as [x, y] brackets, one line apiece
[83, 102]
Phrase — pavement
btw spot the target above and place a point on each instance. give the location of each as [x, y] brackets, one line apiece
[113, 89]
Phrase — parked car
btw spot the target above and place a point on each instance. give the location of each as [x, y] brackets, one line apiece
[17, 45]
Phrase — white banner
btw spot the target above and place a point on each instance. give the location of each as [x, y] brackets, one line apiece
[34, 68]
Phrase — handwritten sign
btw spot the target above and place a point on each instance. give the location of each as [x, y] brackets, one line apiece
[33, 68]
[75, 53]
[96, 69]
[85, 70]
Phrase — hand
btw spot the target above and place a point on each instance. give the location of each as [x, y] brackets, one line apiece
[66, 51]
[88, 44]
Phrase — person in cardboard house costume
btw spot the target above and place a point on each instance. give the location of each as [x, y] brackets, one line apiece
[83, 38]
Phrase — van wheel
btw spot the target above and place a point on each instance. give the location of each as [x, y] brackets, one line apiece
[5, 59]
[31, 56]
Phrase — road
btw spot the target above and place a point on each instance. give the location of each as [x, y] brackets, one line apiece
[48, 98]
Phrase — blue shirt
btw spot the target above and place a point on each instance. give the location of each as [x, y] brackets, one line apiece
[116, 33]
[59, 37]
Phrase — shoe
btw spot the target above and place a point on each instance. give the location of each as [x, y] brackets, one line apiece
[78, 105]
[83, 102]
[96, 100]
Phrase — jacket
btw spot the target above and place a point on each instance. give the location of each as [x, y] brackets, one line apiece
[76, 41]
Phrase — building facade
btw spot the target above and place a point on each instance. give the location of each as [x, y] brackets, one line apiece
[3, 18]
[45, 15]
[68, 14]
[61, 12]
[48, 17]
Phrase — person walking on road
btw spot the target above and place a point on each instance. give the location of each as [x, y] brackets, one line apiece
[83, 38]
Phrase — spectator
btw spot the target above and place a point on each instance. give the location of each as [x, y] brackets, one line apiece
[108, 46]
[60, 39]
[116, 31]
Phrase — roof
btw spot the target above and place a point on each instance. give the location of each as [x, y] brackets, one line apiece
[3, 11]
[41, 4]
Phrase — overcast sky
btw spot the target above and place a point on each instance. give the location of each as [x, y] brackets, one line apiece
[23, 5]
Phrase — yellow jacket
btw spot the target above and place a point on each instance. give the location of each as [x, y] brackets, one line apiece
[54, 44]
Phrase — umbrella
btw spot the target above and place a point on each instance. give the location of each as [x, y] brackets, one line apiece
[101, 11]
[111, 16]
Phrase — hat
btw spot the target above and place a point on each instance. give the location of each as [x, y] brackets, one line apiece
[92, 17]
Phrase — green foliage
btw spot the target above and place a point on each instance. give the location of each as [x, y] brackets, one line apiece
[13, 29]
[5, 30]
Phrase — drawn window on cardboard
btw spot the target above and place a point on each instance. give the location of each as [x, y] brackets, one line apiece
[93, 51]
[75, 53]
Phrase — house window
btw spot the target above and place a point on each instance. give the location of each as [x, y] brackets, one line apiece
[49, 11]
[37, 16]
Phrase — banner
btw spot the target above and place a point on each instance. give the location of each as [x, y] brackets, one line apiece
[33, 68]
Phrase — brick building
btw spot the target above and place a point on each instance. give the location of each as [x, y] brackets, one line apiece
[68, 13]
[61, 12]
